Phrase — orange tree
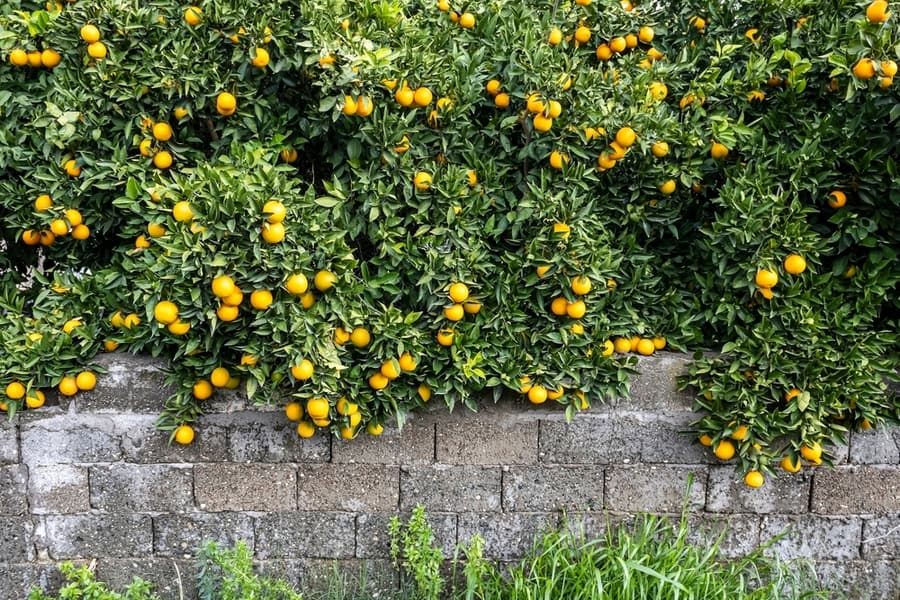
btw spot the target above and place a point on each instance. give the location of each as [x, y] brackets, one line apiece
[357, 206]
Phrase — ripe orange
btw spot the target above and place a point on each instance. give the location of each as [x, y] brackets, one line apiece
[537, 394]
[422, 181]
[581, 285]
[162, 131]
[59, 227]
[458, 292]
[608, 348]
[34, 58]
[618, 44]
[31, 237]
[659, 343]
[162, 159]
[542, 270]
[226, 104]
[193, 15]
[259, 58]
[864, 68]
[261, 299]
[50, 58]
[273, 233]
[576, 309]
[71, 167]
[794, 264]
[646, 34]
[467, 20]
[554, 109]
[165, 312]
[303, 371]
[501, 100]
[837, 199]
[202, 390]
[155, 230]
[658, 90]
[558, 159]
[603, 52]
[445, 337]
[766, 279]
[724, 450]
[305, 429]
[622, 345]
[360, 337]
[791, 394]
[18, 57]
[297, 284]
[705, 440]
[555, 37]
[424, 392]
[454, 312]
[542, 123]
[293, 411]
[227, 313]
[374, 428]
[390, 369]
[179, 327]
[645, 347]
[349, 107]
[407, 362]
[405, 96]
[812, 453]
[70, 325]
[43, 202]
[15, 391]
[130, 321]
[754, 479]
[364, 106]
[184, 434]
[180, 112]
[791, 466]
[888, 68]
[223, 286]
[877, 12]
[324, 280]
[219, 377]
[35, 400]
[377, 381]
[68, 386]
[558, 306]
[740, 433]
[97, 50]
[582, 34]
[626, 137]
[667, 188]
[660, 149]
[86, 381]
[719, 151]
[422, 96]
[318, 408]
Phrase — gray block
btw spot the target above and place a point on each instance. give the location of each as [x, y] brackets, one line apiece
[785, 494]
[18, 579]
[476, 439]
[305, 534]
[13, 496]
[58, 489]
[144, 443]
[881, 538]
[348, 487]
[270, 437]
[655, 386]
[66, 439]
[254, 487]
[126, 488]
[856, 490]
[379, 580]
[875, 447]
[373, 539]
[90, 536]
[182, 535]
[593, 439]
[9, 443]
[547, 489]
[861, 580]
[449, 488]
[821, 538]
[290, 571]
[131, 384]
[654, 488]
[663, 440]
[737, 535]
[507, 536]
[169, 577]
[16, 541]
[414, 445]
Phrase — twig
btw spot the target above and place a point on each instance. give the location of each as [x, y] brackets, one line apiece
[178, 580]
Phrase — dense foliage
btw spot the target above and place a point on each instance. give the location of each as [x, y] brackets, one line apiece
[357, 206]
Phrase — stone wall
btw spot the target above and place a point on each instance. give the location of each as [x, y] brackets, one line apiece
[91, 478]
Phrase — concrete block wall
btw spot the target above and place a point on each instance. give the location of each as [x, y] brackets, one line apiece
[92, 479]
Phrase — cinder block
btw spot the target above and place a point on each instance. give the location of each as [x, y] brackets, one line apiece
[9, 444]
[414, 445]
[860, 580]
[290, 571]
[366, 578]
[169, 577]
[348, 487]
[881, 538]
[58, 489]
[663, 439]
[823, 538]
[546, 489]
[785, 494]
[131, 384]
[16, 541]
[13, 497]
[306, 534]
[259, 487]
[67, 439]
[17, 580]
[737, 535]
[144, 443]
[270, 437]
[476, 439]
[450, 488]
[126, 488]
[655, 386]
[373, 538]
[89, 536]
[654, 488]
[593, 439]
[856, 490]
[875, 447]
[181, 535]
[507, 536]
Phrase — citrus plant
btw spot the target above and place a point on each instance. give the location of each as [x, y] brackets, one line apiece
[353, 208]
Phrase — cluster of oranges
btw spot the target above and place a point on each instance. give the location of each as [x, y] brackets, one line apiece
[47, 58]
[68, 222]
[90, 34]
[462, 305]
[162, 133]
[866, 68]
[466, 20]
[69, 385]
[359, 107]
[766, 279]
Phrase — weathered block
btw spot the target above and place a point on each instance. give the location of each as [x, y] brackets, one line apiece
[881, 538]
[663, 440]
[16, 580]
[348, 487]
[306, 534]
[169, 577]
[87, 536]
[230, 487]
[379, 580]
[739, 533]
[786, 494]
[414, 445]
[825, 538]
[9, 443]
[446, 488]
[270, 437]
[654, 387]
[545, 489]
[58, 489]
[875, 447]
[13, 497]
[126, 488]
[654, 488]
[131, 384]
[593, 439]
[67, 439]
[373, 539]
[181, 535]
[476, 439]
[142, 442]
[860, 580]
[856, 490]
[16, 542]
[507, 536]
[291, 571]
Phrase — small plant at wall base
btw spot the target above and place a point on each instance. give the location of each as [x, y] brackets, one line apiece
[313, 204]
[82, 584]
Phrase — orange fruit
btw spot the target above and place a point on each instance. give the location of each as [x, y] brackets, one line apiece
[234, 298]
[582, 34]
[162, 131]
[360, 337]
[791, 394]
[223, 286]
[293, 411]
[422, 181]
[273, 233]
[422, 96]
[667, 188]
[165, 312]
[97, 50]
[576, 309]
[705, 440]
[43, 202]
[86, 381]
[660, 149]
[162, 159]
[364, 106]
[349, 107]
[184, 434]
[766, 279]
[837, 199]
[501, 100]
[179, 327]
[458, 292]
[18, 57]
[740, 433]
[542, 123]
[405, 96]
[659, 343]
[467, 20]
[305, 429]
[603, 52]
[645, 347]
[445, 337]
[219, 377]
[180, 112]
[374, 428]
[618, 44]
[226, 104]
[888, 68]
[581, 285]
[626, 137]
[555, 37]
[472, 307]
[68, 386]
[15, 391]
[297, 284]
[193, 15]
[812, 453]
[754, 479]
[131, 320]
[259, 58]
[622, 345]
[608, 348]
[424, 392]
[227, 313]
[864, 68]
[454, 312]
[537, 394]
[493, 87]
[261, 299]
[877, 11]
[31, 237]
[724, 450]
[59, 227]
[50, 58]
[554, 109]
[202, 390]
[646, 34]
[377, 381]
[35, 400]
[155, 230]
[341, 336]
[71, 167]
[390, 369]
[558, 306]
[719, 151]
[274, 211]
[318, 408]
[303, 371]
[407, 362]
[794, 264]
[558, 159]
[791, 466]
